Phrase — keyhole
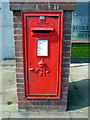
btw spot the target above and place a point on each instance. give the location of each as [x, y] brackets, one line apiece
[30, 63]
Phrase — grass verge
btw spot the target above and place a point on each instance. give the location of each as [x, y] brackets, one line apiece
[80, 50]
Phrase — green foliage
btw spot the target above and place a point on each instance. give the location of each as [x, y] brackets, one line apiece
[9, 102]
[80, 50]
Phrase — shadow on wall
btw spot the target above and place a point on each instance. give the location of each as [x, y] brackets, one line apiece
[80, 59]
[78, 95]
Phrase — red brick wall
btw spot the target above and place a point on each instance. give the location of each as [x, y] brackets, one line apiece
[42, 6]
[60, 104]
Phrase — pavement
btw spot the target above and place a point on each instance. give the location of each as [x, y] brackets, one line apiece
[77, 97]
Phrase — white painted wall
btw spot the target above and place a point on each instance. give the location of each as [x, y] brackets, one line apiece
[6, 31]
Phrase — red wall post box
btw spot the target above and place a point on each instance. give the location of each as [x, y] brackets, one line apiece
[42, 78]
[42, 53]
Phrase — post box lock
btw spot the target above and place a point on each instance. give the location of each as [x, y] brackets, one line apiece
[42, 51]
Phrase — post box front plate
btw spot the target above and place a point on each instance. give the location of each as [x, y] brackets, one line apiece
[42, 53]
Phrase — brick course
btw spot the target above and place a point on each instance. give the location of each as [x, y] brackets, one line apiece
[32, 104]
[42, 6]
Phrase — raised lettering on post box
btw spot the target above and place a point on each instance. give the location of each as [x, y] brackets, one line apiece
[42, 53]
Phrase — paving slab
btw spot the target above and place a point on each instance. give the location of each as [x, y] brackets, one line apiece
[78, 87]
[5, 114]
[9, 108]
[40, 115]
[24, 115]
[54, 115]
[78, 115]
[78, 72]
[77, 97]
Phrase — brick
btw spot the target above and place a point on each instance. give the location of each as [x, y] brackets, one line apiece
[35, 103]
[19, 48]
[13, 7]
[66, 54]
[20, 95]
[61, 7]
[66, 29]
[64, 99]
[65, 84]
[71, 7]
[57, 1]
[67, 25]
[31, 5]
[63, 107]
[17, 37]
[22, 103]
[39, 107]
[21, 99]
[27, 6]
[66, 51]
[66, 70]
[67, 7]
[67, 19]
[66, 62]
[53, 107]
[67, 14]
[20, 80]
[19, 70]
[17, 13]
[67, 32]
[43, 103]
[66, 44]
[43, 7]
[18, 54]
[17, 25]
[20, 90]
[66, 65]
[65, 80]
[66, 59]
[64, 89]
[64, 94]
[19, 31]
[65, 75]
[19, 75]
[29, 103]
[17, 20]
[60, 103]
[64, 6]
[67, 37]
[51, 7]
[18, 43]
[19, 64]
[24, 107]
[18, 17]
[66, 48]
[20, 85]
[18, 59]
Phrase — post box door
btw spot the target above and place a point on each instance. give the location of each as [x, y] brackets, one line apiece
[42, 50]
